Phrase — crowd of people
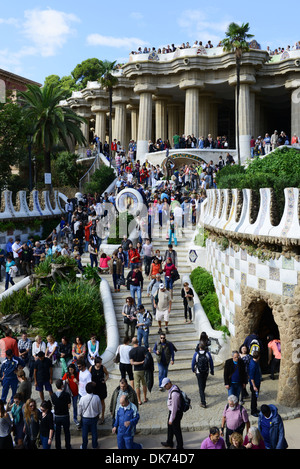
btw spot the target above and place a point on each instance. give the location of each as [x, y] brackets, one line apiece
[26, 423]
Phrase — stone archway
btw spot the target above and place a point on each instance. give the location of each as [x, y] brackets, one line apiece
[286, 314]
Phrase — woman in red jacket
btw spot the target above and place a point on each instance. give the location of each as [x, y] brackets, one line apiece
[169, 269]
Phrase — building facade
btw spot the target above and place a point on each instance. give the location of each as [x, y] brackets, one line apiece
[193, 92]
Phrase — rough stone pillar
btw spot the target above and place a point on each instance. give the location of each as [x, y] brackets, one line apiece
[213, 119]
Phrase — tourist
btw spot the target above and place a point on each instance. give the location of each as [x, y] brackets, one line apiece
[8, 343]
[144, 322]
[103, 263]
[25, 346]
[165, 354]
[6, 426]
[204, 340]
[61, 401]
[125, 423]
[188, 301]
[148, 254]
[137, 357]
[65, 354]
[116, 270]
[125, 366]
[135, 283]
[46, 424]
[175, 415]
[52, 349]
[9, 270]
[92, 349]
[123, 389]
[130, 319]
[214, 440]
[254, 373]
[253, 439]
[38, 346]
[43, 371]
[271, 427]
[235, 377]
[234, 418]
[201, 364]
[89, 409]
[162, 304]
[78, 349]
[24, 386]
[99, 376]
[155, 269]
[170, 252]
[8, 376]
[274, 355]
[71, 378]
[84, 378]
[16, 411]
[236, 441]
[246, 357]
[169, 269]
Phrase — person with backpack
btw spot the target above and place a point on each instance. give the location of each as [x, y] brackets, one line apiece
[202, 362]
[61, 401]
[164, 351]
[253, 343]
[144, 322]
[235, 419]
[174, 404]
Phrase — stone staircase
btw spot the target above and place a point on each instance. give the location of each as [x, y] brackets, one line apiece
[183, 335]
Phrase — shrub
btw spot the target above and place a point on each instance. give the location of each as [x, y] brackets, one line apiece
[69, 308]
[20, 303]
[202, 282]
[100, 180]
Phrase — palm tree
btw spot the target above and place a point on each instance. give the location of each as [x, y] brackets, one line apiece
[51, 122]
[236, 42]
[108, 80]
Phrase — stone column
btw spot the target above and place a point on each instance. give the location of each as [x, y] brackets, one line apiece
[100, 125]
[191, 124]
[160, 118]
[120, 124]
[173, 122]
[145, 119]
[244, 121]
[134, 120]
[295, 113]
[204, 116]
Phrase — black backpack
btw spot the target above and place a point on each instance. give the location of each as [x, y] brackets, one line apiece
[185, 400]
[202, 363]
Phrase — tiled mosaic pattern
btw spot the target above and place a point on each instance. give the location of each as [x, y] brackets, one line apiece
[232, 271]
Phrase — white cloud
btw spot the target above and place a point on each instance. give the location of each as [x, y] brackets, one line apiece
[48, 30]
[9, 21]
[203, 26]
[130, 43]
[136, 15]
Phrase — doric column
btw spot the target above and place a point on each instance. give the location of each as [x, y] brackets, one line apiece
[100, 125]
[160, 117]
[145, 118]
[120, 123]
[134, 120]
[295, 113]
[204, 116]
[173, 122]
[192, 85]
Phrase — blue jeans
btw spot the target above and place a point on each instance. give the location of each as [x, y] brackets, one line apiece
[44, 442]
[8, 280]
[172, 234]
[235, 389]
[142, 334]
[126, 258]
[74, 402]
[9, 383]
[169, 283]
[136, 290]
[162, 372]
[89, 425]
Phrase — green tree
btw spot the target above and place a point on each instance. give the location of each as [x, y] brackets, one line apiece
[66, 171]
[108, 80]
[51, 122]
[236, 41]
[100, 180]
[66, 83]
[88, 70]
[13, 143]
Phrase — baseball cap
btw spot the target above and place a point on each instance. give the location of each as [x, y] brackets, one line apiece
[165, 381]
[161, 286]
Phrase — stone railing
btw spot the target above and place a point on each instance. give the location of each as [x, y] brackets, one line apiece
[237, 213]
[39, 205]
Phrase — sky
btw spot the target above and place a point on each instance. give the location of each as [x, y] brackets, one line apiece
[40, 38]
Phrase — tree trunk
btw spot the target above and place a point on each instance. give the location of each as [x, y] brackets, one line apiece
[110, 125]
[238, 68]
[47, 168]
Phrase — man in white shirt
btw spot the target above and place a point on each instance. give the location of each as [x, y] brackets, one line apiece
[148, 254]
[85, 377]
[16, 250]
[89, 409]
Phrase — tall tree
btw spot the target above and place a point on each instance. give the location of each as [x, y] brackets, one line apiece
[108, 80]
[236, 41]
[51, 122]
[88, 70]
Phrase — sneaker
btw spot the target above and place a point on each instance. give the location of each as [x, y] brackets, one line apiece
[167, 330]
[159, 331]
